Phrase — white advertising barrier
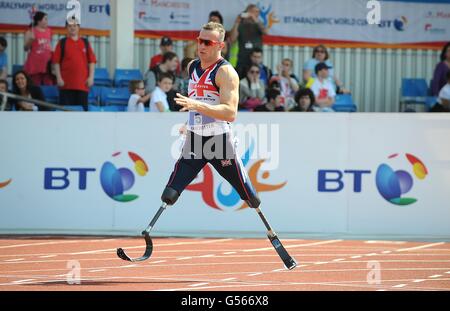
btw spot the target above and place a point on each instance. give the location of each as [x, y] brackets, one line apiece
[330, 174]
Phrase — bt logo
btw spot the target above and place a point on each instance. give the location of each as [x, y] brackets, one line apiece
[399, 24]
[114, 181]
[96, 8]
[390, 184]
[393, 184]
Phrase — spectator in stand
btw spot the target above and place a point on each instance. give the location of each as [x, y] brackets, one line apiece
[304, 100]
[38, 44]
[441, 70]
[3, 59]
[251, 89]
[256, 57]
[248, 30]
[274, 102]
[288, 83]
[168, 65]
[184, 79]
[443, 104]
[320, 55]
[166, 45]
[323, 90]
[138, 97]
[23, 86]
[4, 88]
[74, 62]
[159, 102]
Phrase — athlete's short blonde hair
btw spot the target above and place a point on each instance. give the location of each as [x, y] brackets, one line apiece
[212, 26]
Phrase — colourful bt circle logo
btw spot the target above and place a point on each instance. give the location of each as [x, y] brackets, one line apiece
[116, 181]
[401, 23]
[392, 185]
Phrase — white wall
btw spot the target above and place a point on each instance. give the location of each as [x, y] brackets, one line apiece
[307, 143]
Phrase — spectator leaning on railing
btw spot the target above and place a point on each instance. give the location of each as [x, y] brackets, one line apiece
[23, 86]
[3, 58]
[4, 88]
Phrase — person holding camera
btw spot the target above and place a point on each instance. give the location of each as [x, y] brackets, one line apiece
[249, 31]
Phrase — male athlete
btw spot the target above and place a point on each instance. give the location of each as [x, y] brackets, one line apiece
[212, 104]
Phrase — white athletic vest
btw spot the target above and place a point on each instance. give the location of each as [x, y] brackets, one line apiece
[202, 87]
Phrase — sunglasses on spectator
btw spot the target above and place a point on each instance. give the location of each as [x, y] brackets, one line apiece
[207, 42]
[254, 71]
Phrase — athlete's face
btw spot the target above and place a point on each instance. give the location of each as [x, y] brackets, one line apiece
[209, 44]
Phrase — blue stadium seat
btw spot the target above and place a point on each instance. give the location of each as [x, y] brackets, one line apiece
[344, 103]
[16, 68]
[430, 101]
[74, 107]
[51, 93]
[122, 77]
[101, 77]
[94, 96]
[413, 91]
[109, 108]
[114, 96]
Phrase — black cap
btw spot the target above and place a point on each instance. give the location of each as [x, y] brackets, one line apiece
[321, 66]
[166, 41]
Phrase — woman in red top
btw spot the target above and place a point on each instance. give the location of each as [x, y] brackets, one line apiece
[38, 42]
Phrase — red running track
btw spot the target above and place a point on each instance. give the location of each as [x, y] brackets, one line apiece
[181, 264]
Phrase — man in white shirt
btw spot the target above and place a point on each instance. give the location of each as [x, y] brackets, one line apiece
[323, 89]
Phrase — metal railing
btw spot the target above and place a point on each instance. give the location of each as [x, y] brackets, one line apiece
[5, 96]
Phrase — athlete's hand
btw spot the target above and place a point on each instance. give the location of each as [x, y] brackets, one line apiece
[186, 103]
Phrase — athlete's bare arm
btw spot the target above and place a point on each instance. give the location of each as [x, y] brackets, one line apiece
[228, 81]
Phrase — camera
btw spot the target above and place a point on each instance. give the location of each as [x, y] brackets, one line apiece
[245, 15]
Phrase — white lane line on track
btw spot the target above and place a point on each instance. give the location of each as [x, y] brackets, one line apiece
[159, 245]
[435, 276]
[419, 247]
[355, 257]
[418, 281]
[23, 281]
[198, 284]
[386, 252]
[255, 274]
[448, 272]
[129, 266]
[47, 256]
[229, 253]
[158, 261]
[51, 243]
[371, 254]
[293, 246]
[98, 270]
[321, 262]
[385, 242]
[338, 259]
[229, 279]
[184, 258]
[14, 260]
[206, 256]
[399, 286]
